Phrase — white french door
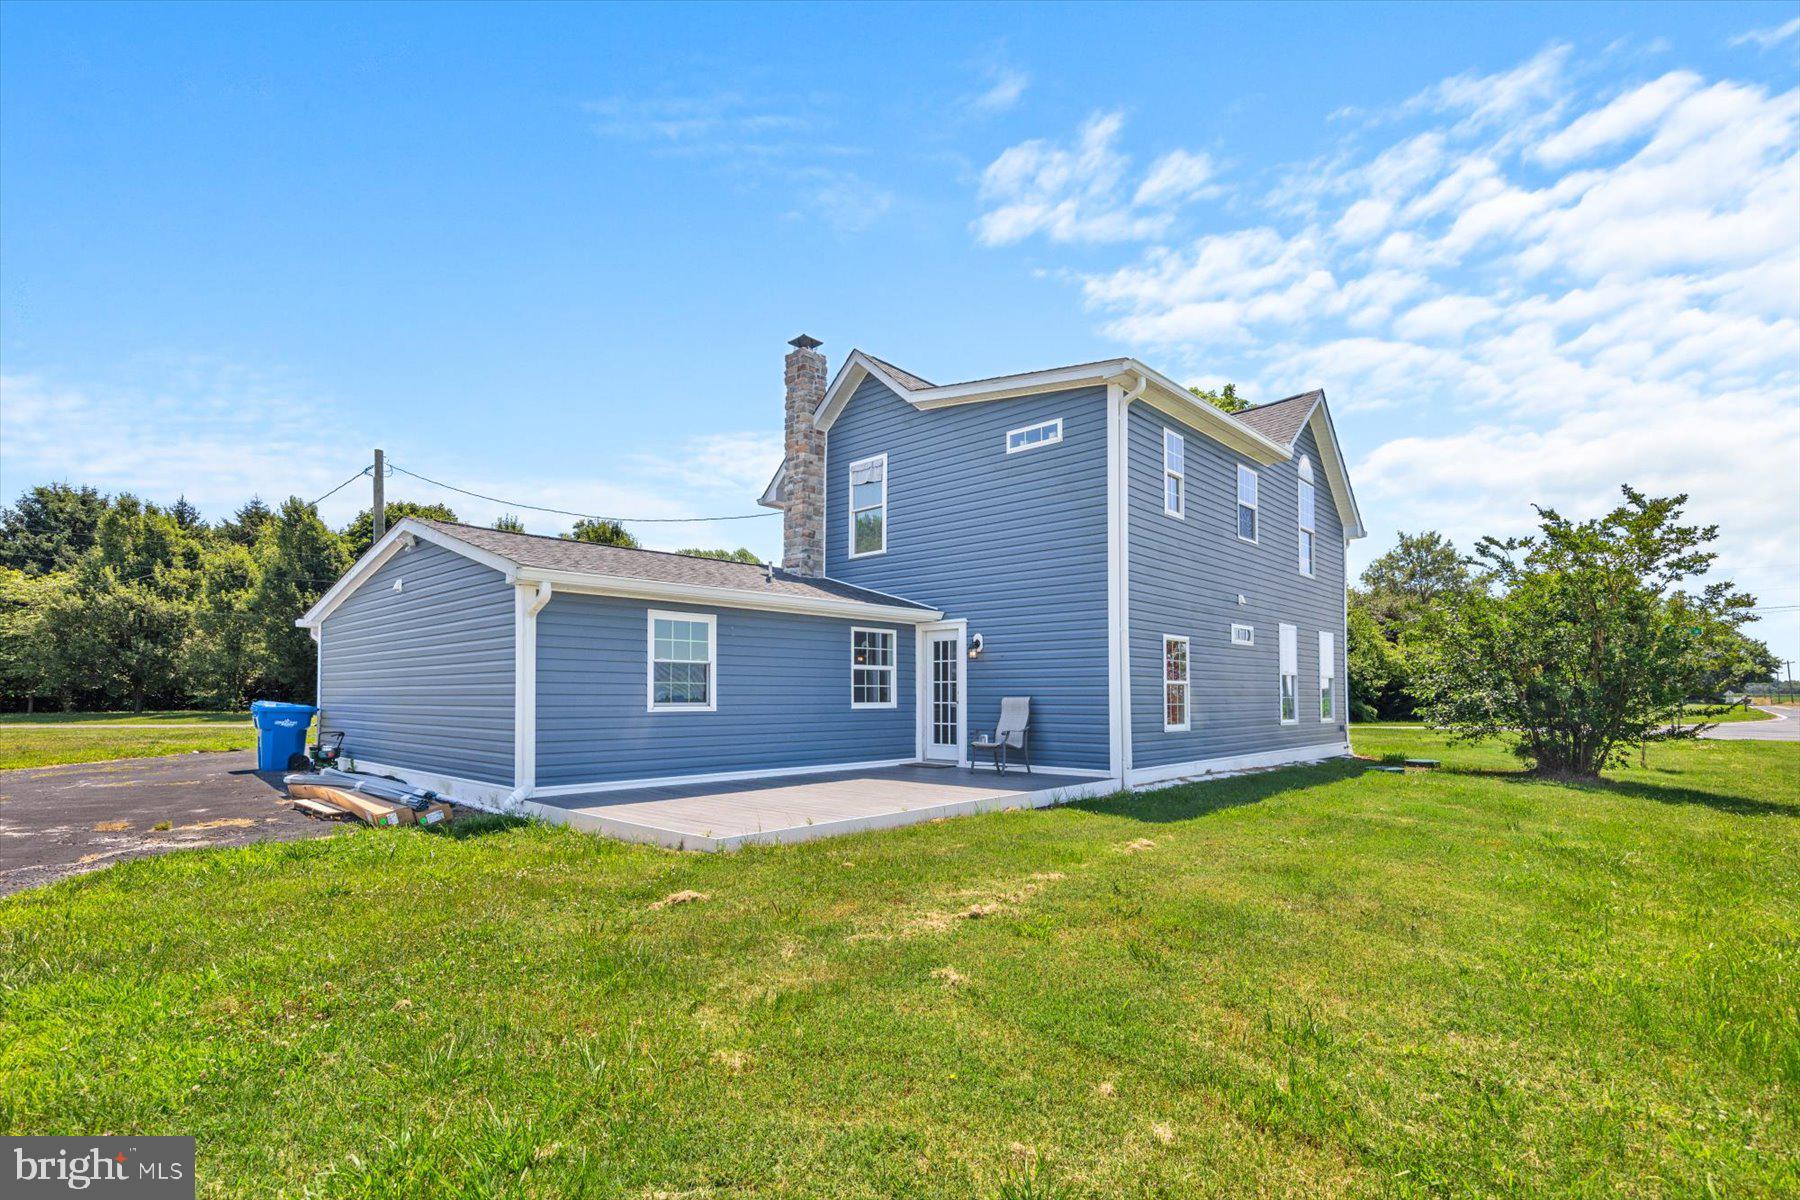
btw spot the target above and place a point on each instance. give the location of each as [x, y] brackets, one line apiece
[941, 699]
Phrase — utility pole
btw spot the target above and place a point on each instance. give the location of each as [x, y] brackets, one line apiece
[379, 511]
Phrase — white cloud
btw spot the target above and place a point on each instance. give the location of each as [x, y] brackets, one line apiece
[1007, 86]
[1535, 291]
[1176, 176]
[1076, 193]
[1763, 39]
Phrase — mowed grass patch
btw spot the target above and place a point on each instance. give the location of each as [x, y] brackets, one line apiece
[1325, 980]
[50, 739]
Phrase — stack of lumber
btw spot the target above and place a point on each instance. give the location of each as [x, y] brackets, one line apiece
[333, 794]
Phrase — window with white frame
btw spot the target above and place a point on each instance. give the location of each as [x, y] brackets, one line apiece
[1290, 674]
[1045, 433]
[1243, 635]
[868, 506]
[1174, 474]
[1175, 684]
[682, 669]
[1246, 506]
[1306, 515]
[1327, 675]
[872, 668]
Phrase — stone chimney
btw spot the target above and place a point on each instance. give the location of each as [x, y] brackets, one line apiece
[803, 497]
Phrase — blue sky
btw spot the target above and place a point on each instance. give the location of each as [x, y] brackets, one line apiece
[553, 253]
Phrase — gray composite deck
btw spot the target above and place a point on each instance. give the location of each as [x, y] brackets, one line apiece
[724, 816]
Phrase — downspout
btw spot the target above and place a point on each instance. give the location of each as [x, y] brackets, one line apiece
[1121, 655]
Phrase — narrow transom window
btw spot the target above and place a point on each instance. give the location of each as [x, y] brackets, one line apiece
[1290, 674]
[1243, 635]
[1175, 684]
[872, 668]
[1174, 474]
[1046, 433]
[682, 677]
[1306, 516]
[1327, 675]
[1246, 506]
[868, 506]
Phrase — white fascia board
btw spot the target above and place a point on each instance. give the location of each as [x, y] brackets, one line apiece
[771, 497]
[1164, 392]
[1337, 473]
[390, 545]
[717, 597]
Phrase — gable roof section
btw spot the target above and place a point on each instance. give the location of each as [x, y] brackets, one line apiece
[1281, 420]
[616, 570]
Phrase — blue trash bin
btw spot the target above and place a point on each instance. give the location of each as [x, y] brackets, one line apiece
[280, 732]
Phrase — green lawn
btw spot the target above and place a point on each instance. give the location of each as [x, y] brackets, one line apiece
[1319, 981]
[45, 739]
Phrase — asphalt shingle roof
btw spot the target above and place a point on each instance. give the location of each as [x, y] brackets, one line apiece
[563, 554]
[905, 378]
[1280, 420]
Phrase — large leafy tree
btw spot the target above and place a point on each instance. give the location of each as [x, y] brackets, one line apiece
[224, 656]
[297, 558]
[1388, 633]
[49, 528]
[741, 554]
[603, 533]
[359, 535]
[1226, 398]
[1579, 641]
[26, 674]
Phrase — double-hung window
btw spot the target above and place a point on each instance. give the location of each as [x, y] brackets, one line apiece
[1290, 675]
[868, 506]
[683, 670]
[1306, 516]
[1175, 684]
[1327, 675]
[872, 668]
[1246, 505]
[1174, 474]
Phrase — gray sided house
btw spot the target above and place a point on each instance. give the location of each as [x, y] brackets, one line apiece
[1164, 581]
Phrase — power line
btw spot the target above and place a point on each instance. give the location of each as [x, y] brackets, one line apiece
[340, 487]
[564, 512]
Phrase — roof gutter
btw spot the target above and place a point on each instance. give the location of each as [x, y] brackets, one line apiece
[701, 595]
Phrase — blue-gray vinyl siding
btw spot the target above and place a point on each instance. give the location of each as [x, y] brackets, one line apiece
[423, 677]
[1015, 544]
[782, 687]
[1186, 577]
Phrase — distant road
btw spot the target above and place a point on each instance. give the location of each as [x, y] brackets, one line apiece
[1784, 728]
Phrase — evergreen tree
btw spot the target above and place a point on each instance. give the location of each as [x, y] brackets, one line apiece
[50, 527]
[359, 535]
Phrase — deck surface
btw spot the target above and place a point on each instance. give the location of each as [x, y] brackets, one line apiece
[722, 816]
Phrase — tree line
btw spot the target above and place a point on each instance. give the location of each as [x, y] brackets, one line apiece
[115, 602]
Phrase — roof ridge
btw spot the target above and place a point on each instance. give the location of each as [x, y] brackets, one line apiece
[1272, 403]
[555, 537]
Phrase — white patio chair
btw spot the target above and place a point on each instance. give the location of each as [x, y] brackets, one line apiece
[1012, 733]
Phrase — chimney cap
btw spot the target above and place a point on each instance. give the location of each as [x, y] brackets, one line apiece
[805, 342]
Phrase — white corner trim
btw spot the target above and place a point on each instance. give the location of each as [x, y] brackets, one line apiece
[1202, 767]
[711, 621]
[1337, 474]
[404, 534]
[528, 601]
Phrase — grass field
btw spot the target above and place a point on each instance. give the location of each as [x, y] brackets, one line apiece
[1319, 981]
[45, 739]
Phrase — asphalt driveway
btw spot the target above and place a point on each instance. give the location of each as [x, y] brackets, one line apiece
[59, 821]
[1784, 728]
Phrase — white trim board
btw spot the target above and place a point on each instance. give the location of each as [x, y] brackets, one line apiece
[1200, 768]
[714, 597]
[490, 797]
[620, 785]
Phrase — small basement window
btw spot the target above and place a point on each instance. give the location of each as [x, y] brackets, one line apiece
[1243, 635]
[1175, 684]
[1046, 433]
[868, 506]
[682, 677]
[872, 668]
[1174, 474]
